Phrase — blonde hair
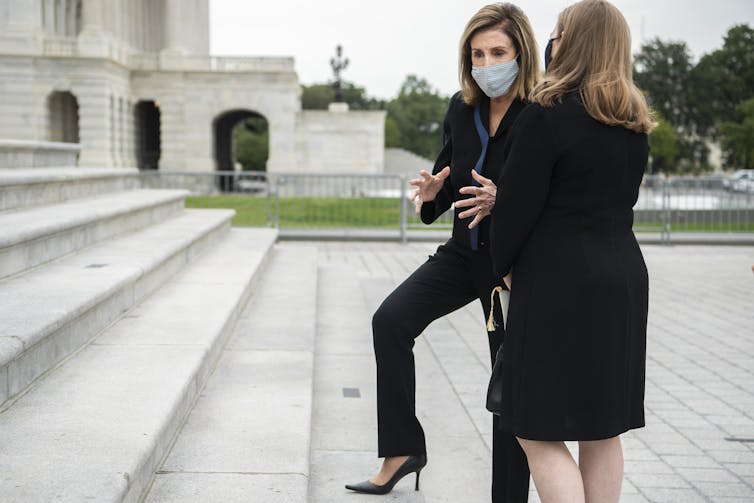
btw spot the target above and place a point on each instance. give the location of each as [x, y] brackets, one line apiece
[511, 21]
[594, 58]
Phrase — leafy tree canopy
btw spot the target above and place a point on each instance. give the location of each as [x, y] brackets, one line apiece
[319, 97]
[663, 145]
[738, 136]
[662, 70]
[418, 114]
[251, 140]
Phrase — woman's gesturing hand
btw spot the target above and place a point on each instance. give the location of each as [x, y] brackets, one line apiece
[483, 201]
[427, 187]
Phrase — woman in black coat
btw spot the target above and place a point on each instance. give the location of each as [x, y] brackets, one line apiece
[575, 347]
[498, 69]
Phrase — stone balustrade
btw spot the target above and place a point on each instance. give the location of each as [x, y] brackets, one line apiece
[28, 154]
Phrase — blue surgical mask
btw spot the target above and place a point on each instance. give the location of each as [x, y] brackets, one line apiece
[495, 80]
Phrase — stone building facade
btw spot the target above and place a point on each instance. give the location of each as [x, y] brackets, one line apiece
[132, 82]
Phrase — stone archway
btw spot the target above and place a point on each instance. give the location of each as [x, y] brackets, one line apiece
[147, 123]
[62, 117]
[225, 136]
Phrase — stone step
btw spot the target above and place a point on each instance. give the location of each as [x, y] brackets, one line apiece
[97, 427]
[49, 312]
[22, 188]
[34, 236]
[247, 438]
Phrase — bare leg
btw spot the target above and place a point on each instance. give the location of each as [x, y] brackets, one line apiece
[555, 473]
[387, 470]
[601, 465]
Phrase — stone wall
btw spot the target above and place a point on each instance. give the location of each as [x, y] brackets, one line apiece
[191, 100]
[340, 141]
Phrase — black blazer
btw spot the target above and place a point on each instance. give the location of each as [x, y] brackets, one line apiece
[576, 329]
[461, 149]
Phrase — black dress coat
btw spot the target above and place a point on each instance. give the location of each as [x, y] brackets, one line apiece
[575, 343]
[461, 149]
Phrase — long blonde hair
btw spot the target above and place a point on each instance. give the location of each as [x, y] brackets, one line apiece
[512, 21]
[594, 58]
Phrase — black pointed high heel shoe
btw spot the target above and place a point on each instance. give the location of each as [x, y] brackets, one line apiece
[411, 465]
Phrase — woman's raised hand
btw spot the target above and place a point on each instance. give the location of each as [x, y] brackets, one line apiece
[483, 201]
[427, 187]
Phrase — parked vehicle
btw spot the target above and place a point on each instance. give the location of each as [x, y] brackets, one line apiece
[740, 181]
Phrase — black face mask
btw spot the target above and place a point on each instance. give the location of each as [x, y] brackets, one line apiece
[548, 54]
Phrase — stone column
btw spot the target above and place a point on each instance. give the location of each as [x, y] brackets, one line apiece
[93, 17]
[48, 15]
[201, 34]
[175, 17]
[93, 40]
[70, 18]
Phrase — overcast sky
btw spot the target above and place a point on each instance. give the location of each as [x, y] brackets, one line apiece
[385, 40]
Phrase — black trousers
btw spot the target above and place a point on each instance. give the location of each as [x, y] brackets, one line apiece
[448, 280]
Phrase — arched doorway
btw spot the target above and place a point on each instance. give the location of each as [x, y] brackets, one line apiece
[63, 117]
[147, 124]
[241, 137]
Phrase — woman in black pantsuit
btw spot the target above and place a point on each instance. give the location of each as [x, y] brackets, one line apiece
[498, 68]
[575, 347]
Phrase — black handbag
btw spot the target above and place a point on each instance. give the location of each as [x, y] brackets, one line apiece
[495, 387]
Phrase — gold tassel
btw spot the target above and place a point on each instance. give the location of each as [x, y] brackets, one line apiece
[491, 324]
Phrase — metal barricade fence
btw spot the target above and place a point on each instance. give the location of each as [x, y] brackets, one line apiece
[692, 204]
[320, 203]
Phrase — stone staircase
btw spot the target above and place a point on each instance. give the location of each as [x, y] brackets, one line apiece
[115, 305]
[248, 437]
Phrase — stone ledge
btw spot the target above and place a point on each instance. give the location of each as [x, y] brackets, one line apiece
[38, 235]
[24, 188]
[51, 174]
[27, 154]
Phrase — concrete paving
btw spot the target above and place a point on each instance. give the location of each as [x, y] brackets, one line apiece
[249, 438]
[697, 445]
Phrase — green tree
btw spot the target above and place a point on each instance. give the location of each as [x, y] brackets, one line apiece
[663, 144]
[662, 70]
[319, 97]
[418, 112]
[392, 133]
[738, 136]
[722, 80]
[251, 140]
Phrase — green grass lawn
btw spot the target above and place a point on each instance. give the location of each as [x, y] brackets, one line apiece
[305, 212]
[369, 212]
[250, 211]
